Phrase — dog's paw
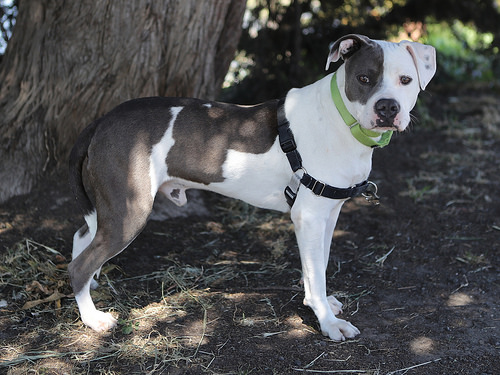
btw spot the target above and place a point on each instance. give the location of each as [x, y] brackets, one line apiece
[100, 321]
[339, 330]
[335, 305]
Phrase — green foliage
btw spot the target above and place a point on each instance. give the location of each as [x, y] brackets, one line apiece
[128, 327]
[285, 42]
[464, 53]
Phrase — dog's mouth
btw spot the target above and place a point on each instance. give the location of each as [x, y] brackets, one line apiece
[385, 126]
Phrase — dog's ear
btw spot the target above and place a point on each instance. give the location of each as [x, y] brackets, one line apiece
[345, 47]
[424, 58]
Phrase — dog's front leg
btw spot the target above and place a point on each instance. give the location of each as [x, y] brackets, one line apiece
[314, 220]
[335, 304]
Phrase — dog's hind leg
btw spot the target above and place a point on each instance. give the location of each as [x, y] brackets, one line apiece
[97, 320]
[82, 239]
[118, 223]
[82, 270]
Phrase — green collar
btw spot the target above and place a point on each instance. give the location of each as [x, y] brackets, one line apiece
[363, 135]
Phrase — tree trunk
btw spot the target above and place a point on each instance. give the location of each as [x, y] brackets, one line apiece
[70, 62]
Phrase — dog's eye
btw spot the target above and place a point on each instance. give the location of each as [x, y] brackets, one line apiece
[364, 79]
[405, 80]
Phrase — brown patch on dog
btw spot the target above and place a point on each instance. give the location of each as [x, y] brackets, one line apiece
[204, 132]
[368, 60]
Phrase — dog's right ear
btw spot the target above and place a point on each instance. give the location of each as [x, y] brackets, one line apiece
[345, 47]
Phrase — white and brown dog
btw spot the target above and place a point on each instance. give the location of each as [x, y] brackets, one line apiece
[316, 144]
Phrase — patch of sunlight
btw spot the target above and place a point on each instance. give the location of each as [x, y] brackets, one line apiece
[459, 299]
[422, 345]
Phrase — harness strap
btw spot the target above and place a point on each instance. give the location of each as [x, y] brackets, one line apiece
[325, 190]
[287, 141]
[289, 147]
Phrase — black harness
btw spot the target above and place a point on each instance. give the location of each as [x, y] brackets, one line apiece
[287, 142]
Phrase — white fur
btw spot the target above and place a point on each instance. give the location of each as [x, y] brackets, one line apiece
[158, 168]
[329, 152]
[240, 170]
[259, 179]
[81, 243]
[97, 320]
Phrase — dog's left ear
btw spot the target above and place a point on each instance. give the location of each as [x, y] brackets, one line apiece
[345, 47]
[424, 58]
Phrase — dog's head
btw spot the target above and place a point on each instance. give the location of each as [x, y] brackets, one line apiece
[383, 79]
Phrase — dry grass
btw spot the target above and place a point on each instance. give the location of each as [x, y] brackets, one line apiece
[191, 314]
[172, 330]
[35, 274]
[152, 337]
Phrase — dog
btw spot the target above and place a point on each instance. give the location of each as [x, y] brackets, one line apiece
[307, 153]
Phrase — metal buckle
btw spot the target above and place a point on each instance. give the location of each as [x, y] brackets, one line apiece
[290, 196]
[287, 141]
[322, 189]
[371, 193]
[292, 189]
[288, 145]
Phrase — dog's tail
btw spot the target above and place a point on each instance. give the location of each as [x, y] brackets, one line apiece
[76, 159]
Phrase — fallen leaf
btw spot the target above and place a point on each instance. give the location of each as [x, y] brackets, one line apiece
[36, 285]
[54, 297]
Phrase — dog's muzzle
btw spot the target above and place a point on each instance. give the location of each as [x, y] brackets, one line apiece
[387, 110]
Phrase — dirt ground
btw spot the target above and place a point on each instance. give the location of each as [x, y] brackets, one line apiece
[221, 293]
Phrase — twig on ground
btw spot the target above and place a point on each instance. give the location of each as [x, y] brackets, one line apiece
[383, 258]
[310, 364]
[412, 367]
[334, 371]
[463, 285]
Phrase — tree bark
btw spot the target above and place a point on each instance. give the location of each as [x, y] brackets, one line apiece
[68, 63]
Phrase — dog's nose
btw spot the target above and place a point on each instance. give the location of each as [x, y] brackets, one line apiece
[387, 109]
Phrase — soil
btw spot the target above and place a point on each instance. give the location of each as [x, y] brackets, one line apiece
[220, 293]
